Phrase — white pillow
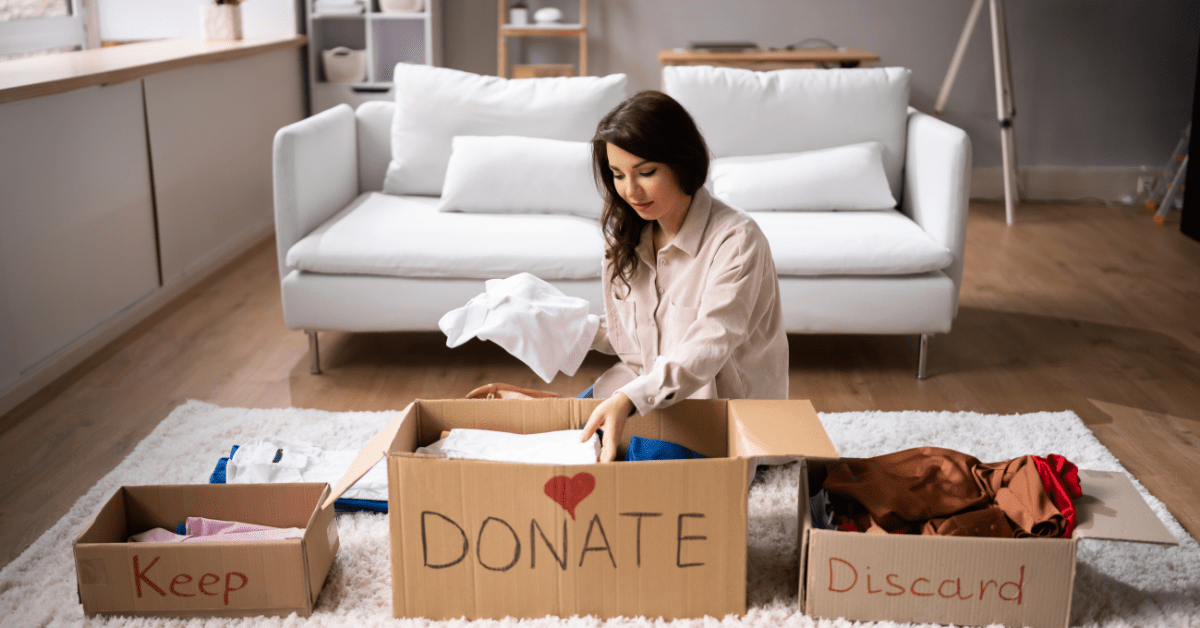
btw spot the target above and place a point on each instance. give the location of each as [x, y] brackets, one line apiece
[846, 177]
[520, 175]
[743, 112]
[436, 104]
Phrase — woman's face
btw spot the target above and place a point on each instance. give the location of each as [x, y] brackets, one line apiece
[649, 187]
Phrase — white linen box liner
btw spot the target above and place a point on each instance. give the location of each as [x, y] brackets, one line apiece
[406, 236]
[884, 242]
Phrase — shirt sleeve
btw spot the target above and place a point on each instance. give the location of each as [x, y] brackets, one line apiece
[600, 341]
[728, 305]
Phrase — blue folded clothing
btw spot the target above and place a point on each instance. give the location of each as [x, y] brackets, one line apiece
[340, 505]
[653, 449]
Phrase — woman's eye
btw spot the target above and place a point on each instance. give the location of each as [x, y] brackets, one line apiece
[648, 172]
[618, 177]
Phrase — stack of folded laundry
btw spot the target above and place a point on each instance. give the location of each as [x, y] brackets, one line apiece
[337, 7]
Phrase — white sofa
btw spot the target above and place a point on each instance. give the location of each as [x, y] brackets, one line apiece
[352, 258]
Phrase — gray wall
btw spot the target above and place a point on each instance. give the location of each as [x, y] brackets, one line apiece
[1098, 83]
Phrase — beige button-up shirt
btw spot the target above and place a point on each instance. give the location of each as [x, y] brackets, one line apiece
[702, 317]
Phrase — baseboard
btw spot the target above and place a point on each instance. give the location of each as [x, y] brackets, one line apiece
[72, 355]
[1044, 183]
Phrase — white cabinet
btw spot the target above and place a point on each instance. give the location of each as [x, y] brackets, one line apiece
[76, 219]
[211, 132]
[119, 195]
[384, 38]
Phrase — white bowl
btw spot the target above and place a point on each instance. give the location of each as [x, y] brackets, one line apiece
[547, 15]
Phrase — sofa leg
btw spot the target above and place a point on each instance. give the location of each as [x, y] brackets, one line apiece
[314, 352]
[921, 373]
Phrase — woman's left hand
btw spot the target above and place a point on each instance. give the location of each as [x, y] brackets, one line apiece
[610, 415]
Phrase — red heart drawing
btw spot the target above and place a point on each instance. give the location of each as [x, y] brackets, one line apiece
[568, 492]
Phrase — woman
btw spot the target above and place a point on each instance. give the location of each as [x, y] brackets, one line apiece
[691, 298]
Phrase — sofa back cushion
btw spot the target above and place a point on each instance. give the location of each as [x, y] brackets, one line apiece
[433, 105]
[743, 112]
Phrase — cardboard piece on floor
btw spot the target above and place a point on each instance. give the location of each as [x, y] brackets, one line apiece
[962, 580]
[206, 579]
[667, 539]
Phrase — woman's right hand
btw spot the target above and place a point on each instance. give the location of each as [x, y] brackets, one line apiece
[610, 416]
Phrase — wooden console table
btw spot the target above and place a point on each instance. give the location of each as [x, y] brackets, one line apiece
[770, 59]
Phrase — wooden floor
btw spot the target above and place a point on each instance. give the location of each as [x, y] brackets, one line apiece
[1074, 303]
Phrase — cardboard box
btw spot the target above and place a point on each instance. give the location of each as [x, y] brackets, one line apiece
[962, 580]
[664, 539]
[206, 579]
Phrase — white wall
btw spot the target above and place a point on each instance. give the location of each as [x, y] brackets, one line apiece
[1099, 83]
[125, 20]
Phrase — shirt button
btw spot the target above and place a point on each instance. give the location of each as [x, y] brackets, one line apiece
[660, 290]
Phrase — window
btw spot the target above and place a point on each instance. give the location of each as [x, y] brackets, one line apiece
[39, 26]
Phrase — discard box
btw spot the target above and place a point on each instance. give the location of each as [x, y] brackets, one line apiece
[206, 579]
[962, 580]
[667, 539]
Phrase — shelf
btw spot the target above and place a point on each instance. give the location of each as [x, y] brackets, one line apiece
[505, 30]
[338, 16]
[399, 16]
[550, 30]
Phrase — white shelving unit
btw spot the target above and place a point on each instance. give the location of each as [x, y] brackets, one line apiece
[387, 38]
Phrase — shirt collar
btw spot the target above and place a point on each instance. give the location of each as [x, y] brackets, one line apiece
[691, 234]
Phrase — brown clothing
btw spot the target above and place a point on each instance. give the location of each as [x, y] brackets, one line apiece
[932, 490]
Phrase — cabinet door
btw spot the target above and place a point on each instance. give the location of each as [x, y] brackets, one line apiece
[76, 218]
[212, 128]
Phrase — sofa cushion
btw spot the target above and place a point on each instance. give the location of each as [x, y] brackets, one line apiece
[508, 174]
[849, 243]
[743, 112]
[406, 236]
[841, 178]
[436, 104]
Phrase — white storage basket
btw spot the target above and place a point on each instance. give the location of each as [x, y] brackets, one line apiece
[343, 65]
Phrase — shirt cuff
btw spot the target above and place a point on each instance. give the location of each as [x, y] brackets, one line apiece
[640, 393]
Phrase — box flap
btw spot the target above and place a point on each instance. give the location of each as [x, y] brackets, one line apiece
[373, 452]
[1111, 508]
[775, 431]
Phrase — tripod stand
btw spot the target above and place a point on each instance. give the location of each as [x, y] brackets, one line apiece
[1005, 108]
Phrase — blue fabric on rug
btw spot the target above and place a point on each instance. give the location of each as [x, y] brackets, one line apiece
[653, 449]
[340, 505]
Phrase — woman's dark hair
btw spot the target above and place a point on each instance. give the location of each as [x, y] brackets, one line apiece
[654, 127]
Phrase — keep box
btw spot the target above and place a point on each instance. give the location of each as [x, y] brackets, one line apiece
[212, 579]
[667, 539]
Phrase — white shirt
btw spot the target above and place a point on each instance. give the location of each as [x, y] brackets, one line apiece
[702, 318]
[529, 318]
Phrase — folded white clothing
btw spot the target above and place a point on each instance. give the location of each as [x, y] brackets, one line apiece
[271, 459]
[531, 319]
[560, 447]
[337, 7]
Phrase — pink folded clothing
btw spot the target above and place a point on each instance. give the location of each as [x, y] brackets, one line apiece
[201, 530]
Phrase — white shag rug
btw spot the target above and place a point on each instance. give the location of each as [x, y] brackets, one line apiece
[1118, 584]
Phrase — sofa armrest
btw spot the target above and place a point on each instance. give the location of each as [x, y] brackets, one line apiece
[937, 185]
[316, 174]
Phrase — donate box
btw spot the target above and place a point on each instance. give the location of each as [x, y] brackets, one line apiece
[218, 579]
[667, 539]
[969, 581]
